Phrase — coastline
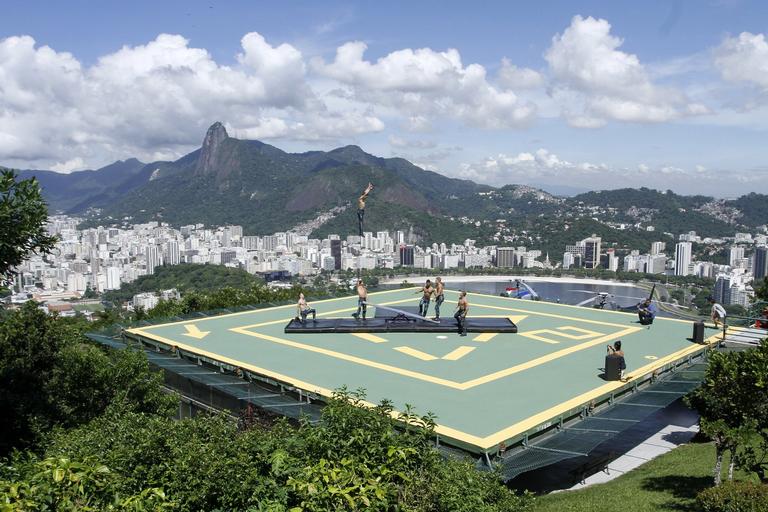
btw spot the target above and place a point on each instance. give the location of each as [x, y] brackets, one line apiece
[498, 278]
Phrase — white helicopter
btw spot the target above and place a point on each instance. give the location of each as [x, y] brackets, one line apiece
[601, 300]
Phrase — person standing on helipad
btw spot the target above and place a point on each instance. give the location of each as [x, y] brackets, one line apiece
[362, 299]
[462, 308]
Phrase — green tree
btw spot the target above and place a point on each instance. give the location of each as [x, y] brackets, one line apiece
[51, 375]
[761, 289]
[733, 404]
[23, 214]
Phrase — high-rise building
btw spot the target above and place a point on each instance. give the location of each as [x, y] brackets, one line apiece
[406, 255]
[505, 257]
[567, 260]
[723, 290]
[113, 278]
[657, 248]
[736, 253]
[153, 258]
[336, 253]
[682, 258]
[172, 254]
[592, 252]
[760, 263]
[656, 264]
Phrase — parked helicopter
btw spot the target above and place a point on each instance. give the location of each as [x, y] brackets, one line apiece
[603, 300]
[520, 290]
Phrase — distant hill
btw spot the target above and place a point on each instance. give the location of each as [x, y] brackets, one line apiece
[265, 189]
[80, 190]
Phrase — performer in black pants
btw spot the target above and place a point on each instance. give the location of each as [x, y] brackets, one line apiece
[462, 308]
[362, 300]
[361, 207]
[439, 297]
[426, 290]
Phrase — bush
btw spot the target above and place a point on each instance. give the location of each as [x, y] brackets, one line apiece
[64, 484]
[354, 459]
[735, 497]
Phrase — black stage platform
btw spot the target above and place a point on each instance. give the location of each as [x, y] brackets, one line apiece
[404, 319]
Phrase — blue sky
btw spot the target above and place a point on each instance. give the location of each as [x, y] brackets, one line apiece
[557, 94]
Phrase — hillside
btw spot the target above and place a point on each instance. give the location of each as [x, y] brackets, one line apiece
[665, 211]
[265, 189]
[184, 277]
[80, 190]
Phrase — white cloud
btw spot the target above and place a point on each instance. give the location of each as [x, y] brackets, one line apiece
[423, 84]
[400, 142]
[596, 82]
[69, 166]
[155, 99]
[513, 77]
[525, 167]
[543, 167]
[744, 59]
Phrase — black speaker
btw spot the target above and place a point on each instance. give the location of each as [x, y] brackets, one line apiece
[698, 331]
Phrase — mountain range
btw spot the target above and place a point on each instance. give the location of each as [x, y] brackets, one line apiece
[265, 189]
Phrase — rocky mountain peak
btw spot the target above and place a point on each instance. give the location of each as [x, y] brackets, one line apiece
[214, 137]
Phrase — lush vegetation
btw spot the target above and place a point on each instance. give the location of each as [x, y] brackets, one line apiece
[732, 402]
[185, 277]
[51, 376]
[353, 460]
[754, 209]
[22, 222]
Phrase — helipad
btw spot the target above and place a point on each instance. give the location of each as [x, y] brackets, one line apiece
[485, 388]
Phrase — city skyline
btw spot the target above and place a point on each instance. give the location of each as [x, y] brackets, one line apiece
[664, 95]
[102, 259]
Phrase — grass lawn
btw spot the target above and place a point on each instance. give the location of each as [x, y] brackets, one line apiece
[669, 482]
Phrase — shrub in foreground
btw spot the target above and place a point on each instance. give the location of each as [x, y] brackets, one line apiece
[735, 497]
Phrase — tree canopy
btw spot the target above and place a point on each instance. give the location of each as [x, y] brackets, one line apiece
[23, 215]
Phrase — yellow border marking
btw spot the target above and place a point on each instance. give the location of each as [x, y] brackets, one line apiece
[418, 354]
[457, 354]
[486, 336]
[369, 337]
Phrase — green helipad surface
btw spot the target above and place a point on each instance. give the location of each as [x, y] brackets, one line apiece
[484, 388]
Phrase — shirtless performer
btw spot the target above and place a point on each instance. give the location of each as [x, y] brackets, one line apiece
[462, 308]
[362, 299]
[304, 310]
[439, 297]
[427, 291]
[361, 207]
